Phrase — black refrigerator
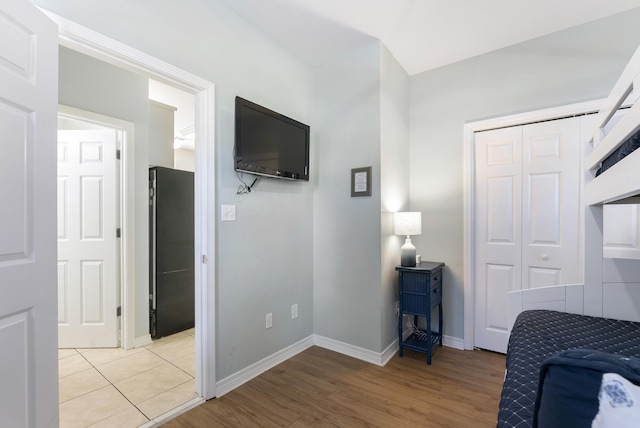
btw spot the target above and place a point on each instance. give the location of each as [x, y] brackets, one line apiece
[171, 246]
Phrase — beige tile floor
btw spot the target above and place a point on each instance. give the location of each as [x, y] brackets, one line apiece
[126, 388]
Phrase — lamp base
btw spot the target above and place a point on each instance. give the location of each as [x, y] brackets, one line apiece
[408, 254]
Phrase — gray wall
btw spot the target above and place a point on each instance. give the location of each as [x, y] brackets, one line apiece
[570, 66]
[264, 259]
[362, 102]
[346, 237]
[394, 181]
[92, 85]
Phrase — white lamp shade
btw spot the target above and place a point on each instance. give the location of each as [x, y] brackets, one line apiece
[407, 223]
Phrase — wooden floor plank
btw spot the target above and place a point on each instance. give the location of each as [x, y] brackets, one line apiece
[321, 388]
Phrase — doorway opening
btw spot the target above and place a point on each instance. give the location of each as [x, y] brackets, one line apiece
[86, 41]
[97, 311]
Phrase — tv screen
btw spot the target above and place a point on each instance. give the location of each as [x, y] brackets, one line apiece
[270, 144]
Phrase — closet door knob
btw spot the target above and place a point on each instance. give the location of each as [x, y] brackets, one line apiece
[544, 257]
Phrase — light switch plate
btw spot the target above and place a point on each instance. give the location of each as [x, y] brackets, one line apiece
[269, 320]
[228, 212]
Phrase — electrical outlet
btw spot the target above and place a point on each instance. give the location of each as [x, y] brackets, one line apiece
[269, 322]
[294, 311]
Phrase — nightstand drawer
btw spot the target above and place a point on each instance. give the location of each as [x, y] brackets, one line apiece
[421, 303]
[414, 283]
[436, 278]
[415, 303]
[436, 294]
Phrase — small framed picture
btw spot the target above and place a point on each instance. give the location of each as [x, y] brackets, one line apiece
[361, 181]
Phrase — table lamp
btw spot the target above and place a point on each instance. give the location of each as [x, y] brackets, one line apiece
[407, 223]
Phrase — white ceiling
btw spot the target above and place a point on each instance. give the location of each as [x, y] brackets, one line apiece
[421, 34]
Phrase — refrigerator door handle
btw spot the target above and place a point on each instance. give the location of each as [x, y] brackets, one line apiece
[152, 202]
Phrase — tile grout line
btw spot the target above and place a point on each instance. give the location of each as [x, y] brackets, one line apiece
[132, 403]
[114, 387]
[191, 377]
[170, 362]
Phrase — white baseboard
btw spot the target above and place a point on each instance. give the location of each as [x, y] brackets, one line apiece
[235, 380]
[388, 353]
[350, 350]
[142, 341]
[378, 358]
[453, 342]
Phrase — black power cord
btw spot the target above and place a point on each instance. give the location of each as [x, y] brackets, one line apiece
[245, 188]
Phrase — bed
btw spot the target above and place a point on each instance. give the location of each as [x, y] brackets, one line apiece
[540, 334]
[613, 160]
[629, 146]
[544, 342]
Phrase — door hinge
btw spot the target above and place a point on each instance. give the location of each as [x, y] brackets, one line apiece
[119, 311]
[118, 233]
[118, 154]
[152, 185]
[204, 259]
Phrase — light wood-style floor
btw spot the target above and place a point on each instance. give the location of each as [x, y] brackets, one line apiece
[321, 388]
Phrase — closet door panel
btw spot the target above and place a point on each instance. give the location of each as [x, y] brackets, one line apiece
[498, 232]
[551, 203]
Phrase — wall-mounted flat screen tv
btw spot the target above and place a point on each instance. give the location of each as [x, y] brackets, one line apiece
[269, 143]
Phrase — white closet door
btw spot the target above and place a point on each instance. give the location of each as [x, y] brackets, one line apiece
[551, 204]
[498, 246]
[527, 218]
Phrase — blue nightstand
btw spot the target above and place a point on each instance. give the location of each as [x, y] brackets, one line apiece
[420, 290]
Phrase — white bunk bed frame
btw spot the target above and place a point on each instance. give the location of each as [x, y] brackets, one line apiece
[619, 184]
[622, 181]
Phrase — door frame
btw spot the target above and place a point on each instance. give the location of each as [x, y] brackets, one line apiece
[126, 213]
[469, 196]
[96, 45]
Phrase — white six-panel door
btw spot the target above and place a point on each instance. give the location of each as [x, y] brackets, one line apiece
[527, 218]
[28, 113]
[551, 203]
[87, 243]
[498, 249]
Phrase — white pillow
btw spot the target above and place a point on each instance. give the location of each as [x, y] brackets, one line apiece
[619, 403]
